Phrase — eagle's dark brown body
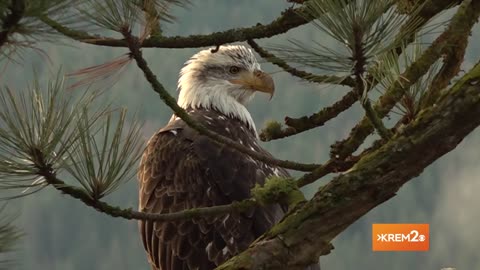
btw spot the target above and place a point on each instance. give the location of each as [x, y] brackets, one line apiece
[182, 169]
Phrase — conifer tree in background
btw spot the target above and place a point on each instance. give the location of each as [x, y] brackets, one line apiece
[52, 138]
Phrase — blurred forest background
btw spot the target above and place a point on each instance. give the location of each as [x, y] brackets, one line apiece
[61, 233]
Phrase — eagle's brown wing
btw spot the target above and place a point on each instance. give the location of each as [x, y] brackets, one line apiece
[181, 169]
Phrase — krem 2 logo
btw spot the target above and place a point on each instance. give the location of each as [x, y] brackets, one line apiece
[400, 237]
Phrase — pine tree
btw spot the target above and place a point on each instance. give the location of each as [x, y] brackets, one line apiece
[51, 137]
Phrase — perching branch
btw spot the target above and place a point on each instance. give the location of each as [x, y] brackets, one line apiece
[274, 190]
[347, 81]
[288, 20]
[17, 9]
[460, 25]
[113, 211]
[170, 101]
[305, 234]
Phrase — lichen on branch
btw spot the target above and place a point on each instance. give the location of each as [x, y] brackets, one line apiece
[278, 190]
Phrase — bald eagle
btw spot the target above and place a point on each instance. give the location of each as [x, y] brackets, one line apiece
[182, 169]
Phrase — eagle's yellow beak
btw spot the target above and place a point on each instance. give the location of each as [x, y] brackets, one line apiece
[257, 80]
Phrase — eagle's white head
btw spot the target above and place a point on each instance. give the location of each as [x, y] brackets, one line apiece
[224, 80]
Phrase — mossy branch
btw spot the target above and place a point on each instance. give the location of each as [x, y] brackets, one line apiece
[375, 120]
[275, 190]
[376, 178]
[170, 101]
[130, 214]
[452, 61]
[274, 130]
[278, 190]
[46, 171]
[336, 166]
[461, 23]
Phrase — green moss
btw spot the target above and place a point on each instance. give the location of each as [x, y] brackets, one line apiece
[241, 261]
[278, 189]
[191, 213]
[272, 130]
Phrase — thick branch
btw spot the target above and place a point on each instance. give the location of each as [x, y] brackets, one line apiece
[461, 24]
[17, 9]
[180, 112]
[288, 20]
[305, 234]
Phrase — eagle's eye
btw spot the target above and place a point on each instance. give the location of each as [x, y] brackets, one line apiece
[234, 69]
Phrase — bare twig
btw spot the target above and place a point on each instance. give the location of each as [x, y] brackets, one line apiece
[129, 214]
[375, 120]
[298, 125]
[453, 59]
[46, 171]
[347, 81]
[331, 166]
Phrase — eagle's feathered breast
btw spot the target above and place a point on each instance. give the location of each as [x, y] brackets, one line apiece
[183, 169]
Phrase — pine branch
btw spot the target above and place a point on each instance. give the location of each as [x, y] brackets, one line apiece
[113, 211]
[288, 20]
[461, 23]
[360, 59]
[331, 166]
[274, 190]
[170, 101]
[17, 9]
[274, 130]
[347, 81]
[376, 178]
[375, 120]
[71, 33]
